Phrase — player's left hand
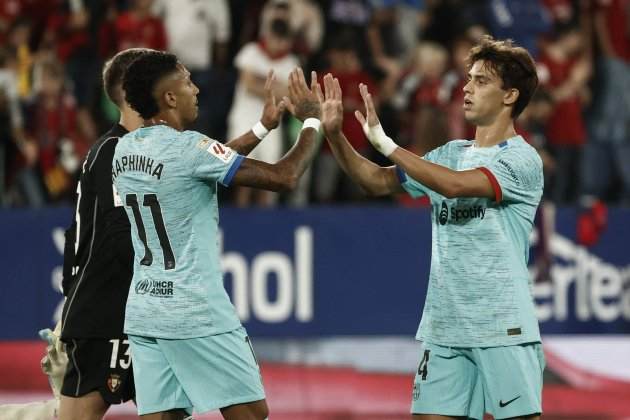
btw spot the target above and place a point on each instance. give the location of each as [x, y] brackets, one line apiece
[272, 111]
[303, 102]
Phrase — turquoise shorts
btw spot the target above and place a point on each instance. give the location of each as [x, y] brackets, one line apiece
[456, 381]
[203, 373]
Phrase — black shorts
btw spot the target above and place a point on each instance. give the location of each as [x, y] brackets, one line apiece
[102, 365]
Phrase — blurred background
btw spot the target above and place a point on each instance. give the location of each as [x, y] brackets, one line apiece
[332, 319]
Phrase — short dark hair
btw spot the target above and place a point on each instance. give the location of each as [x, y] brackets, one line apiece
[141, 78]
[513, 64]
[115, 69]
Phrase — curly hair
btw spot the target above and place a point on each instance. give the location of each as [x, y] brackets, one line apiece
[141, 78]
[513, 64]
[114, 70]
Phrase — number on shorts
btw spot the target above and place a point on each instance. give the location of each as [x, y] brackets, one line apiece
[423, 368]
[114, 360]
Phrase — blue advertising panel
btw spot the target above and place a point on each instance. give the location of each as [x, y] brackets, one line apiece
[330, 272]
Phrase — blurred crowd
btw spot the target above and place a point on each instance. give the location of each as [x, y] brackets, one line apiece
[411, 54]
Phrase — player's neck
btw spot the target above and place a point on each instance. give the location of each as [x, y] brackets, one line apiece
[130, 119]
[166, 118]
[498, 132]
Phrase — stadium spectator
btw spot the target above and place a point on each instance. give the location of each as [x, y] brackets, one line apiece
[52, 122]
[19, 36]
[305, 19]
[330, 183]
[456, 79]
[565, 71]
[608, 152]
[394, 31]
[136, 27]
[198, 32]
[522, 21]
[253, 61]
[68, 34]
[12, 136]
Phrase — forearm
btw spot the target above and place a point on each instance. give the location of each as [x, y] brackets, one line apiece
[372, 178]
[244, 144]
[438, 178]
[295, 162]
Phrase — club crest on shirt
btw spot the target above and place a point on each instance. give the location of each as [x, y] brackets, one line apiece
[113, 382]
[203, 143]
[220, 151]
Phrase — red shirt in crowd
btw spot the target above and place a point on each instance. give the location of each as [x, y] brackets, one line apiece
[352, 100]
[566, 125]
[129, 31]
[49, 125]
[616, 13]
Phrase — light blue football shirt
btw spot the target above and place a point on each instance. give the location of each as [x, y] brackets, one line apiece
[167, 181]
[479, 292]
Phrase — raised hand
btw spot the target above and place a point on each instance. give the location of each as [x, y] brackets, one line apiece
[303, 102]
[332, 107]
[370, 112]
[272, 111]
[372, 126]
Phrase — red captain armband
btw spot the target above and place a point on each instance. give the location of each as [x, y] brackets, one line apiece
[498, 194]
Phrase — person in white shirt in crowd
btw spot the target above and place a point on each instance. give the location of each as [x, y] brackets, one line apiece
[198, 33]
[271, 52]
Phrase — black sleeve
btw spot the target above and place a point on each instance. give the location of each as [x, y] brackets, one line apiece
[68, 258]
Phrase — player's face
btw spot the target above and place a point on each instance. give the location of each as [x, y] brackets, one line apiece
[483, 95]
[186, 92]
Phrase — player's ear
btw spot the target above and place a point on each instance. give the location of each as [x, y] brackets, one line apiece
[510, 97]
[170, 98]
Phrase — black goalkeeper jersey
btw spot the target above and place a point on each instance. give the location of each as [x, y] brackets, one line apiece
[98, 254]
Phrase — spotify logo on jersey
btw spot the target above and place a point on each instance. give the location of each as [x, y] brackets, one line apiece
[460, 215]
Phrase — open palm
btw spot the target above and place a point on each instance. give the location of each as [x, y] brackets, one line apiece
[332, 107]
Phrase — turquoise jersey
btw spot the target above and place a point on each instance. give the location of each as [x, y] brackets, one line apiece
[479, 292]
[167, 181]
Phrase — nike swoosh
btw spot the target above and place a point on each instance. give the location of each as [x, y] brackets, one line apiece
[503, 404]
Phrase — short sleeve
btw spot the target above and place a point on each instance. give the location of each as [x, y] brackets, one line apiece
[212, 160]
[413, 187]
[516, 175]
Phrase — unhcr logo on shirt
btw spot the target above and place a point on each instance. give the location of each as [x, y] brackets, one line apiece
[459, 214]
[155, 288]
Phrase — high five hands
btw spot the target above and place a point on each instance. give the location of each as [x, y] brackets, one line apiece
[303, 102]
[332, 116]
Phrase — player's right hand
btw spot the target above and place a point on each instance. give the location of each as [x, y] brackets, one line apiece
[303, 102]
[332, 107]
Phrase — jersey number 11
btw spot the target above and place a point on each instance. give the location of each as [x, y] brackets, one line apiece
[151, 201]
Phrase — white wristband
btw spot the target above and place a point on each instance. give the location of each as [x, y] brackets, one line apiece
[259, 130]
[376, 135]
[312, 123]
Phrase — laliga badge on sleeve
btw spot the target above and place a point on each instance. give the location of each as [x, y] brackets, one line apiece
[220, 151]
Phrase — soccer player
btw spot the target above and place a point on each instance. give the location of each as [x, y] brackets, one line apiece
[98, 263]
[481, 348]
[189, 348]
